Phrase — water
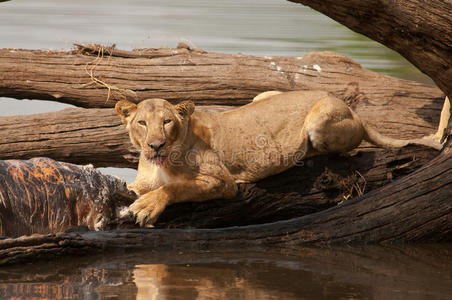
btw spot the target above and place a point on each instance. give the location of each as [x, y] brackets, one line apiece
[264, 27]
[372, 272]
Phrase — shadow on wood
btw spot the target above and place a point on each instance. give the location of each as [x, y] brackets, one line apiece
[415, 208]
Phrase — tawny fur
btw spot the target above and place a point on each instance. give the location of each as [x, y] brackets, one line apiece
[204, 155]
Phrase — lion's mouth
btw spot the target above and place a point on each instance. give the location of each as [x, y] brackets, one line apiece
[157, 159]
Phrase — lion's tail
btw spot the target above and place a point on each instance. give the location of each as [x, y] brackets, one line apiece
[373, 136]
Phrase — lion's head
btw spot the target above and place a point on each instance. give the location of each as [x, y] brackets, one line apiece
[155, 126]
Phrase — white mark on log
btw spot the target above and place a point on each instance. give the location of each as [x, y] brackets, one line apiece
[317, 68]
[274, 66]
[348, 68]
[305, 68]
[268, 57]
[57, 96]
[300, 57]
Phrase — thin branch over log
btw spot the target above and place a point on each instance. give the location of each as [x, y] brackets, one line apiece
[419, 30]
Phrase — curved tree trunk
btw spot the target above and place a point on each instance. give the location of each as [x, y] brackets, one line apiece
[45, 196]
[415, 208]
[419, 30]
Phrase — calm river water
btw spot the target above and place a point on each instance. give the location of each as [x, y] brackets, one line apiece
[258, 27]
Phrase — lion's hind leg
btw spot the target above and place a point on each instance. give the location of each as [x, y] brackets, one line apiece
[332, 127]
[265, 95]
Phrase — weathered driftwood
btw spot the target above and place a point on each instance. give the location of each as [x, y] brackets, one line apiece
[45, 196]
[96, 76]
[320, 183]
[420, 31]
[415, 208]
[96, 136]
[80, 136]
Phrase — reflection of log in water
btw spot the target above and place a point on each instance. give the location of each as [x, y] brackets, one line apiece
[370, 272]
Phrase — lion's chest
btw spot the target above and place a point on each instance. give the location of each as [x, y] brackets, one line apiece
[151, 177]
[158, 176]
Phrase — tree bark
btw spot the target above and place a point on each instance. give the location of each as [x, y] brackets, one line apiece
[80, 136]
[415, 208]
[96, 136]
[419, 30]
[96, 76]
[45, 196]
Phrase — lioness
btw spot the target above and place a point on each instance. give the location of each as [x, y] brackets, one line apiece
[189, 155]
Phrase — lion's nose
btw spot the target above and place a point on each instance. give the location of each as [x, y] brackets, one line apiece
[156, 146]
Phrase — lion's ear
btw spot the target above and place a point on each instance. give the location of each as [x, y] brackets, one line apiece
[125, 109]
[185, 108]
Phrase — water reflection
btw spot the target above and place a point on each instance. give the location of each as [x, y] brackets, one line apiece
[373, 272]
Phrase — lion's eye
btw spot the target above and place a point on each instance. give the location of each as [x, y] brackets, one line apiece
[142, 123]
[166, 121]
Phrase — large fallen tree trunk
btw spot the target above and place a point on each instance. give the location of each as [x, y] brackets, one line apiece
[46, 196]
[419, 30]
[97, 137]
[416, 208]
[76, 135]
[95, 76]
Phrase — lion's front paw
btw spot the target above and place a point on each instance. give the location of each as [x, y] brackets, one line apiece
[132, 187]
[148, 208]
